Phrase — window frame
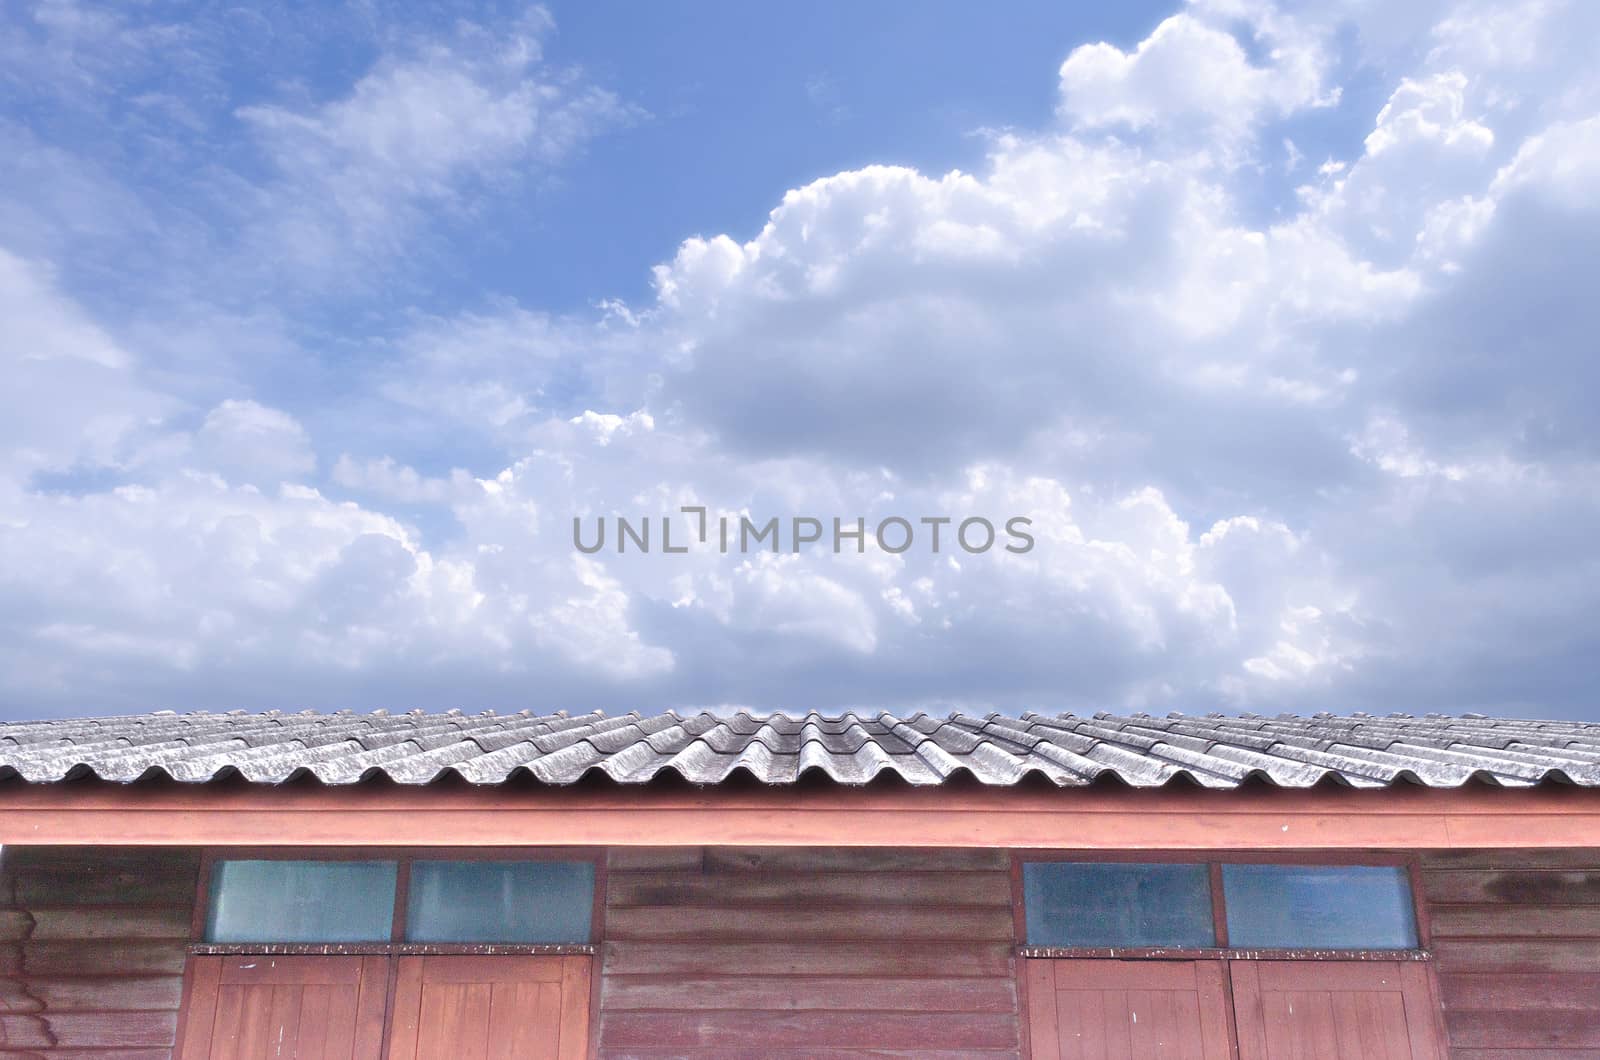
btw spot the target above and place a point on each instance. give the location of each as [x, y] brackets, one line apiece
[1214, 860]
[396, 945]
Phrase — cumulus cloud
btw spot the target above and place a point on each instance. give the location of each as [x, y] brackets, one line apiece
[1343, 458]
[1193, 76]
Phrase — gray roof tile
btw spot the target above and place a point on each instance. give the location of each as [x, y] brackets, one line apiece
[851, 749]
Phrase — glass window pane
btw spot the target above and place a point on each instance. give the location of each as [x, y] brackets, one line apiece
[301, 901]
[1321, 906]
[1096, 904]
[500, 901]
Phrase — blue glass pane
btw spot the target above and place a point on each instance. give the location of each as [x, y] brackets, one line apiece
[500, 901]
[301, 901]
[1321, 906]
[1096, 904]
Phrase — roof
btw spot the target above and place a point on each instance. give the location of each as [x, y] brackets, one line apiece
[1214, 751]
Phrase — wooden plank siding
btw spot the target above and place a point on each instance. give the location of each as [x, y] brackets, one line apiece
[92, 948]
[1517, 937]
[824, 952]
[827, 953]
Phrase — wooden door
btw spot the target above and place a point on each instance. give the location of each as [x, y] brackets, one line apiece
[1127, 1010]
[310, 1008]
[1334, 1010]
[491, 1008]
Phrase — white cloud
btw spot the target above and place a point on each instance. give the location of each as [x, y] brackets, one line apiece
[71, 395]
[1344, 458]
[252, 443]
[1562, 162]
[604, 426]
[42, 326]
[385, 478]
[1192, 75]
[430, 127]
[1428, 111]
[500, 371]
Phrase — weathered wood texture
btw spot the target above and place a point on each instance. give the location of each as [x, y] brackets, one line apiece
[1517, 935]
[1091, 1009]
[491, 1008]
[840, 952]
[818, 953]
[92, 950]
[1375, 1010]
[309, 1008]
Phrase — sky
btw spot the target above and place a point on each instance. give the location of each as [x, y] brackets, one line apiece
[322, 324]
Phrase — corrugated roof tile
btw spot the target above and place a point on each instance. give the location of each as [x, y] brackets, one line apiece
[414, 747]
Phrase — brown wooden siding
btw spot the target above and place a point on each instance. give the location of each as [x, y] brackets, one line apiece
[92, 951]
[842, 953]
[1517, 936]
[822, 953]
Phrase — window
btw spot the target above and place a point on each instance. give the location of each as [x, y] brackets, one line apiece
[1263, 906]
[1319, 906]
[481, 901]
[401, 956]
[500, 901]
[301, 901]
[1103, 905]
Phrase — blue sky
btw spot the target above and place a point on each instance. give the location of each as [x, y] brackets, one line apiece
[745, 98]
[325, 321]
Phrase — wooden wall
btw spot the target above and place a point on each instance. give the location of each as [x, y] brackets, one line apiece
[819, 953]
[833, 953]
[92, 950]
[1518, 942]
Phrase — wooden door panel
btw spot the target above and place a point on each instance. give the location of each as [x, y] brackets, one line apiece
[491, 1008]
[1334, 1010]
[308, 1008]
[1127, 1010]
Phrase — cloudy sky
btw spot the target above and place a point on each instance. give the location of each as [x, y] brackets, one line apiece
[322, 323]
